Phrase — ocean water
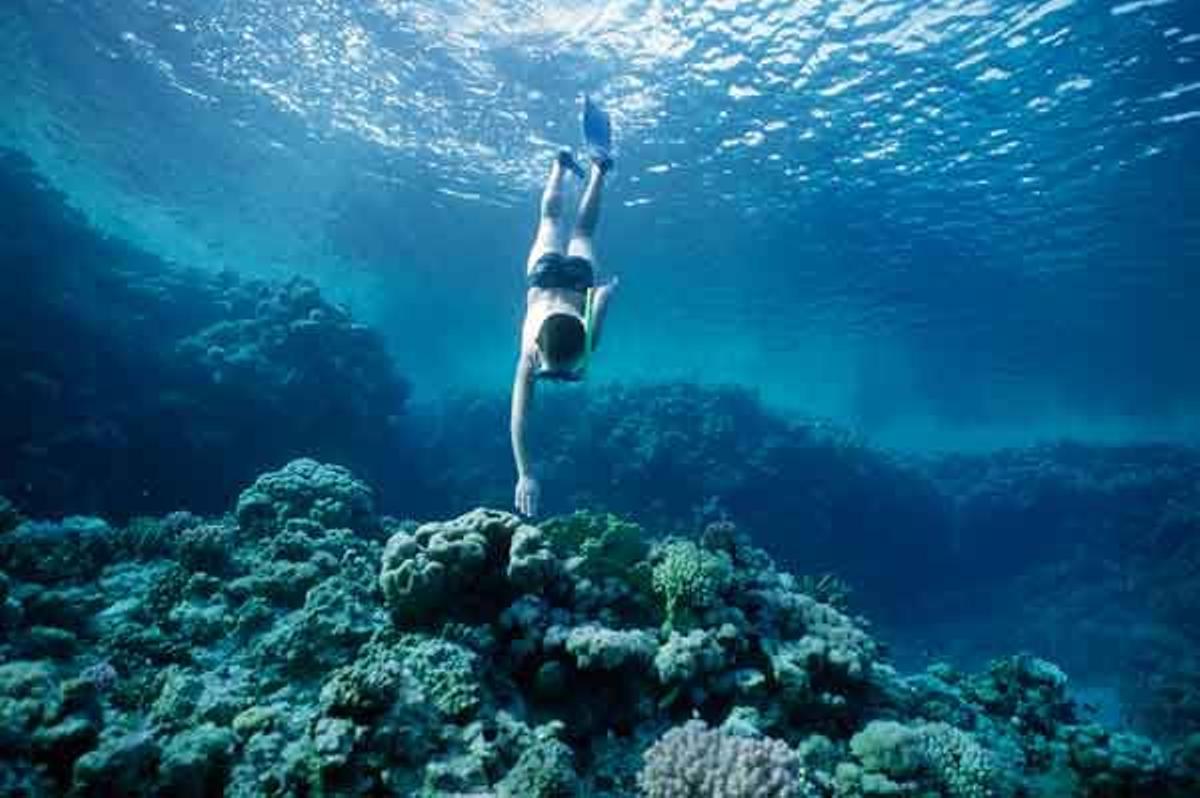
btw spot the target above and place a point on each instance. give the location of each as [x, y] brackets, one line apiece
[885, 479]
[948, 224]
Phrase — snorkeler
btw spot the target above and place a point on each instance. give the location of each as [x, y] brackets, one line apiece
[564, 305]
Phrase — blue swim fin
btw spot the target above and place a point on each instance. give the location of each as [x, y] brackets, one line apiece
[597, 131]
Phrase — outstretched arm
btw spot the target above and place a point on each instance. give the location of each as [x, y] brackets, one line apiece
[601, 297]
[527, 491]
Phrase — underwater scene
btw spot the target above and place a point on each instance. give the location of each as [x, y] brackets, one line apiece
[600, 398]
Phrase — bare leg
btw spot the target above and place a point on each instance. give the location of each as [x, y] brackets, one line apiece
[588, 216]
[549, 236]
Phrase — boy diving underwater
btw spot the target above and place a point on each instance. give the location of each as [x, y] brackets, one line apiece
[564, 304]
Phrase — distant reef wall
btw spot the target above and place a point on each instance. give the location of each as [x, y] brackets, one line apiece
[815, 495]
[680, 455]
[1086, 553]
[135, 386]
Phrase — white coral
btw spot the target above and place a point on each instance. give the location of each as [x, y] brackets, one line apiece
[693, 761]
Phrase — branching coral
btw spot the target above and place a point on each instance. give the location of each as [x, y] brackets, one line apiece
[1027, 689]
[688, 578]
[964, 767]
[693, 761]
[935, 755]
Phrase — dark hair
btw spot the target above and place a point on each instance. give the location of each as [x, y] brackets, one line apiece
[561, 339]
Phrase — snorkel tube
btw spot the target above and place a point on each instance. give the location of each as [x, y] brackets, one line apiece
[588, 312]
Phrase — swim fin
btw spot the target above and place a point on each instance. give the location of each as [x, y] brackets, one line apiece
[597, 131]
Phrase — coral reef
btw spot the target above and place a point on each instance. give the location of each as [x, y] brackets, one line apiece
[693, 761]
[328, 495]
[1088, 555]
[688, 579]
[923, 759]
[303, 645]
[432, 567]
[606, 546]
[135, 386]
[127, 376]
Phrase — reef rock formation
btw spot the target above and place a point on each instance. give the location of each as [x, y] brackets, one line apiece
[330, 651]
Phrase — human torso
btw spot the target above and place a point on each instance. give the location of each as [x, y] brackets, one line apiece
[542, 302]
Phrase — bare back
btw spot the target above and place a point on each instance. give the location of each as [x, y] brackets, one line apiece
[542, 302]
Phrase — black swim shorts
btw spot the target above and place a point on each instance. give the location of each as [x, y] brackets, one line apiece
[554, 270]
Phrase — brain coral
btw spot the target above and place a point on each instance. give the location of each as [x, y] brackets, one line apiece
[424, 570]
[304, 488]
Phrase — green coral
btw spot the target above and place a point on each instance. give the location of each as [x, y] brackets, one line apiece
[260, 661]
[532, 564]
[688, 578]
[445, 672]
[964, 767]
[206, 547]
[428, 570]
[195, 762]
[43, 720]
[607, 546]
[544, 770]
[337, 617]
[1025, 688]
[360, 690]
[683, 657]
[935, 756]
[165, 592]
[889, 747]
[177, 700]
[436, 672]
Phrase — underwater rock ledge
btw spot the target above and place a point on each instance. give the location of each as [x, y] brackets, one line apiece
[305, 645]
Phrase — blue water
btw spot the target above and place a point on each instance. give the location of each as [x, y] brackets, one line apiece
[945, 224]
[907, 299]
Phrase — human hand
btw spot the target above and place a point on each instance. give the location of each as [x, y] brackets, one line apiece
[604, 290]
[527, 494]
